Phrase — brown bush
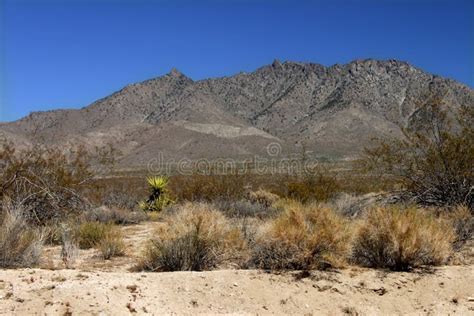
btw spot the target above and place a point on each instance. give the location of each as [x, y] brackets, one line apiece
[45, 181]
[196, 238]
[303, 237]
[262, 197]
[320, 185]
[114, 215]
[112, 244]
[20, 244]
[199, 187]
[401, 239]
[462, 221]
[434, 163]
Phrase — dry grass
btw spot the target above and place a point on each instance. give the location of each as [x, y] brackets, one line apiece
[401, 239]
[462, 221]
[263, 198]
[112, 245]
[114, 215]
[197, 238]
[90, 234]
[303, 237]
[20, 245]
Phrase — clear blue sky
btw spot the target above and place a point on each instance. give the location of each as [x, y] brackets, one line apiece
[66, 54]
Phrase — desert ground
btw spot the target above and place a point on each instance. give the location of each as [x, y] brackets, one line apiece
[97, 287]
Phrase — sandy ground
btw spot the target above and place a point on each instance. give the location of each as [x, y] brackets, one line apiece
[98, 287]
[447, 290]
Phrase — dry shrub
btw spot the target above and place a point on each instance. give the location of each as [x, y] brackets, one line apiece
[121, 200]
[462, 221]
[303, 237]
[201, 187]
[69, 248]
[318, 186]
[114, 215]
[45, 181]
[246, 208]
[401, 239]
[20, 244]
[197, 237]
[112, 244]
[262, 197]
[90, 234]
[433, 161]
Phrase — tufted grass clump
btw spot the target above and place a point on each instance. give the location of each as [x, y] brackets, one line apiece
[112, 245]
[20, 244]
[402, 239]
[197, 237]
[302, 238]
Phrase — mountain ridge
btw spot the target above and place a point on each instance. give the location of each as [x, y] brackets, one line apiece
[334, 111]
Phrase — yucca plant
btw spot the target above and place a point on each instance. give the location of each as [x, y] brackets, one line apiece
[159, 196]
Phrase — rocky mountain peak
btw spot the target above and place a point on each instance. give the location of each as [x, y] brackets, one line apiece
[335, 111]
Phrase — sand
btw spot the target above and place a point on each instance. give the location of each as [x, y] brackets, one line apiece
[98, 287]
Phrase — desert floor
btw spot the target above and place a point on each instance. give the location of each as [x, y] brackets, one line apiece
[101, 287]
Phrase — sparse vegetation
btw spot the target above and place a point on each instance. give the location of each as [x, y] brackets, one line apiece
[462, 221]
[434, 162]
[114, 215]
[112, 244]
[319, 185]
[401, 239]
[303, 237]
[90, 234]
[69, 248]
[43, 181]
[197, 238]
[20, 245]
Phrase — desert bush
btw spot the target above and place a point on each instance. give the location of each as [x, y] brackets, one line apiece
[401, 239]
[462, 221]
[119, 191]
[112, 244]
[303, 237]
[202, 187]
[319, 185]
[262, 197]
[245, 208]
[197, 238]
[20, 244]
[69, 247]
[120, 200]
[433, 162]
[159, 196]
[89, 234]
[45, 181]
[114, 215]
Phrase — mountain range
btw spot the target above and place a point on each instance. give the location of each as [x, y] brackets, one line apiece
[331, 112]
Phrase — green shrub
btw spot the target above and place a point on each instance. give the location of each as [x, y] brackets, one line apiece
[89, 234]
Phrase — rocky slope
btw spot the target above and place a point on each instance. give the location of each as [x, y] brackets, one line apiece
[334, 111]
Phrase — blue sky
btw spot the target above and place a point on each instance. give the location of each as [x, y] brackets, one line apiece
[67, 54]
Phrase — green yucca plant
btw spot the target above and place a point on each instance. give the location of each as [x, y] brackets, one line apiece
[159, 196]
[157, 183]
